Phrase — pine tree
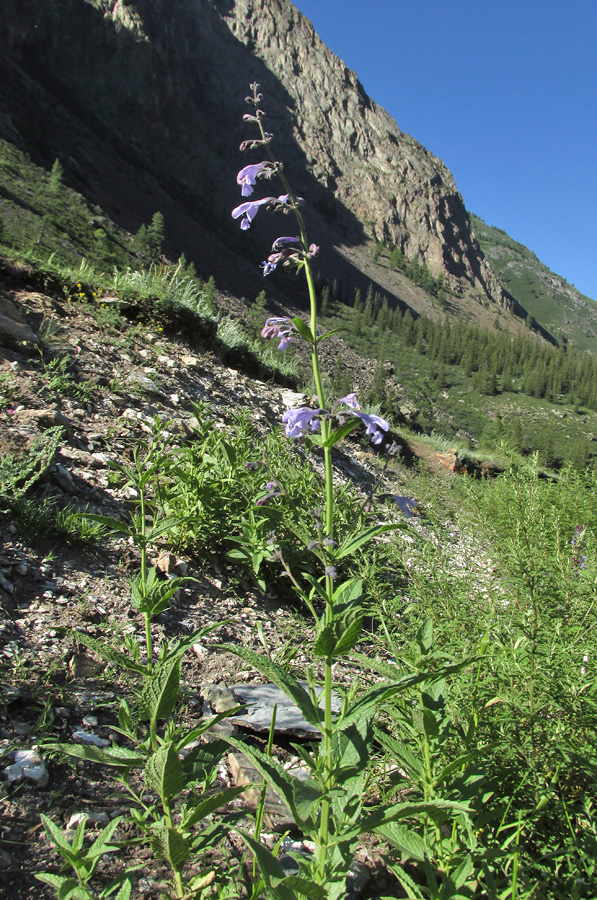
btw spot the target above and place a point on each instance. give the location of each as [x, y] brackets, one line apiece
[56, 176]
[155, 235]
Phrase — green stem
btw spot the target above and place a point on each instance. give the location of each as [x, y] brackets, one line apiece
[179, 887]
[326, 431]
[148, 640]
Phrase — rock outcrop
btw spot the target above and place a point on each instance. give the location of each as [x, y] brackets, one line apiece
[141, 100]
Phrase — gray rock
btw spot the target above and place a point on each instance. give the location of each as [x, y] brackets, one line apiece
[259, 699]
[95, 818]
[28, 765]
[85, 737]
[220, 698]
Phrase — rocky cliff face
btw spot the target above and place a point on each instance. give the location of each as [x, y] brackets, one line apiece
[142, 102]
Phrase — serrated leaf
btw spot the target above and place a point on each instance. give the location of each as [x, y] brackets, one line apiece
[338, 636]
[425, 722]
[168, 844]
[304, 887]
[425, 635]
[401, 754]
[303, 329]
[281, 678]
[56, 881]
[396, 811]
[102, 843]
[404, 839]
[464, 871]
[55, 834]
[352, 543]
[160, 691]
[205, 807]
[347, 592]
[116, 757]
[125, 891]
[164, 772]
[109, 653]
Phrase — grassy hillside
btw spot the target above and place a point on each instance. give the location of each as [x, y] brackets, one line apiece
[549, 298]
[468, 385]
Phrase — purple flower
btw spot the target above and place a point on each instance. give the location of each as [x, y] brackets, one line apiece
[249, 211]
[350, 400]
[279, 327]
[300, 420]
[273, 489]
[283, 253]
[330, 571]
[248, 176]
[281, 241]
[373, 425]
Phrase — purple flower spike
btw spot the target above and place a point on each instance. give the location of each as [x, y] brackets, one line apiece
[248, 176]
[249, 211]
[300, 420]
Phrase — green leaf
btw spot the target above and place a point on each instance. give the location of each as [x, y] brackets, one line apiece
[401, 754]
[301, 797]
[304, 887]
[277, 886]
[395, 811]
[164, 772]
[404, 839]
[125, 891]
[55, 834]
[425, 635]
[66, 888]
[168, 844]
[205, 807]
[341, 431]
[108, 653]
[160, 691]
[313, 440]
[116, 757]
[425, 722]
[281, 678]
[102, 843]
[347, 592]
[464, 871]
[112, 524]
[339, 636]
[353, 543]
[381, 693]
[303, 329]
[328, 334]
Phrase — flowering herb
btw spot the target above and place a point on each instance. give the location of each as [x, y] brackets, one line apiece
[340, 624]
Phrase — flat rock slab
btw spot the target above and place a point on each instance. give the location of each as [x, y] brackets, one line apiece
[259, 700]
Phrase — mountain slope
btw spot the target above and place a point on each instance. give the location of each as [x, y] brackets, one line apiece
[554, 303]
[144, 112]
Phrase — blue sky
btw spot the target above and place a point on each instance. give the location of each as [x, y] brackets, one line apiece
[504, 92]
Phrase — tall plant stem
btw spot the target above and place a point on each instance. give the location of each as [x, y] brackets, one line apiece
[326, 430]
[147, 615]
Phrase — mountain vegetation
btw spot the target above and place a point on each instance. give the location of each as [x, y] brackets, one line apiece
[390, 520]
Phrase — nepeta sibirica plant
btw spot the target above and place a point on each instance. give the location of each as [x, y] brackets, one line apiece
[328, 807]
